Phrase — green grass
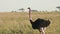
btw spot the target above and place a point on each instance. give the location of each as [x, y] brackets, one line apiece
[18, 23]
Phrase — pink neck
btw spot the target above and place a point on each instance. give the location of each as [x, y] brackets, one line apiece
[30, 14]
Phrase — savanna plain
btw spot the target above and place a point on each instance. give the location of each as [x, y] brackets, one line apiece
[18, 22]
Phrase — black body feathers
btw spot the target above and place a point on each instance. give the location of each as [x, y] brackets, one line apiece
[40, 23]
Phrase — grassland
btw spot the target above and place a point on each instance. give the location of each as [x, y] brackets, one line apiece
[18, 22]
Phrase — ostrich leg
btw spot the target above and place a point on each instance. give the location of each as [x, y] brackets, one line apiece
[42, 30]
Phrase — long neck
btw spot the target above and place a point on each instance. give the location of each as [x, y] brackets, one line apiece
[30, 16]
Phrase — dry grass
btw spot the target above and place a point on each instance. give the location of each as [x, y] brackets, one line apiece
[18, 23]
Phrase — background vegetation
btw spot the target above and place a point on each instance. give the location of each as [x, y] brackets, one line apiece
[18, 22]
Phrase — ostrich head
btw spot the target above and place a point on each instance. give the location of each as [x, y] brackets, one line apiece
[28, 7]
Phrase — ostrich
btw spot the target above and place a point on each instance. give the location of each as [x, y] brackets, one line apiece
[39, 24]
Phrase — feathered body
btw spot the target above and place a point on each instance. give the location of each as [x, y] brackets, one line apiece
[39, 23]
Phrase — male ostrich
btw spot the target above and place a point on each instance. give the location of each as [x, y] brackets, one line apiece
[39, 24]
